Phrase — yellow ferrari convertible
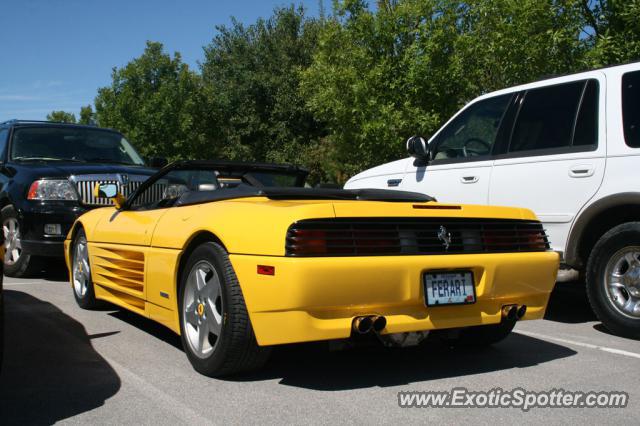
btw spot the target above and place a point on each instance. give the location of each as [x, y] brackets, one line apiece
[237, 257]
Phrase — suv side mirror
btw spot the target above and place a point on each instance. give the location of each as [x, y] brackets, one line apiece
[110, 191]
[157, 162]
[418, 148]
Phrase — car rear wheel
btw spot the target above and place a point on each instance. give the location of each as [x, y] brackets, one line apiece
[214, 323]
[16, 263]
[613, 279]
[81, 272]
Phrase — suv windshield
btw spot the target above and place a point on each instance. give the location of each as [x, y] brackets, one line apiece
[72, 144]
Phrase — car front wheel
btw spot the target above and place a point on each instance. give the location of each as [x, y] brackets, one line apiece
[214, 323]
[613, 279]
[81, 272]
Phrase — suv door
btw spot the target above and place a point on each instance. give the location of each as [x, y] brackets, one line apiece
[463, 155]
[553, 162]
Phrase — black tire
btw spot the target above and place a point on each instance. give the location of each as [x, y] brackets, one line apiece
[483, 335]
[86, 299]
[616, 239]
[236, 349]
[27, 265]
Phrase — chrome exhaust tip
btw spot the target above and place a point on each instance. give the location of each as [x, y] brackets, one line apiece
[510, 312]
[521, 311]
[362, 325]
[379, 323]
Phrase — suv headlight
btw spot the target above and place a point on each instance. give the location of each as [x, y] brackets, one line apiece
[52, 189]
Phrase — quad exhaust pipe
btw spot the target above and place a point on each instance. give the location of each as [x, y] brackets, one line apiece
[513, 312]
[379, 323]
[521, 311]
[366, 324]
[376, 323]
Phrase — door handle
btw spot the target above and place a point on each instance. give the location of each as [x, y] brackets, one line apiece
[469, 179]
[582, 171]
[394, 182]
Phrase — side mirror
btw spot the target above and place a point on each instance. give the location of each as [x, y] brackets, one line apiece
[418, 148]
[109, 191]
[157, 162]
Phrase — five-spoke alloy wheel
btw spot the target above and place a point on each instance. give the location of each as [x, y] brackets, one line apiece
[81, 272]
[202, 309]
[215, 327]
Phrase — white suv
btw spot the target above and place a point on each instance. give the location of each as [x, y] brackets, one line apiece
[569, 149]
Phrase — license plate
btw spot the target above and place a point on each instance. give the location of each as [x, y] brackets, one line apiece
[449, 288]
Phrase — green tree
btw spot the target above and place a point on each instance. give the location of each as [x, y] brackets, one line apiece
[86, 115]
[252, 77]
[381, 76]
[61, 117]
[158, 102]
[613, 29]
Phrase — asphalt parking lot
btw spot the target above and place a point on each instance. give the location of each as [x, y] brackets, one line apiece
[110, 366]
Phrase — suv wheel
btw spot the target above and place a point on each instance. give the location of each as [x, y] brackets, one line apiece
[16, 263]
[613, 279]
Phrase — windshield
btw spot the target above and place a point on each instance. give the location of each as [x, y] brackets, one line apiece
[201, 181]
[72, 144]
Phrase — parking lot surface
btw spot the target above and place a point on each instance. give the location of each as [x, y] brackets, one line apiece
[110, 366]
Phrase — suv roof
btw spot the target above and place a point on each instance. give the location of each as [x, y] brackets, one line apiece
[563, 78]
[18, 123]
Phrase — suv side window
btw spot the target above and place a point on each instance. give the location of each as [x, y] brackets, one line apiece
[557, 118]
[4, 133]
[631, 108]
[473, 132]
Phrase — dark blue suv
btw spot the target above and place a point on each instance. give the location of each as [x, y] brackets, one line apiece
[47, 175]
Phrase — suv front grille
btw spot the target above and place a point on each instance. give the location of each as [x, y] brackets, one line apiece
[412, 236]
[87, 183]
[86, 188]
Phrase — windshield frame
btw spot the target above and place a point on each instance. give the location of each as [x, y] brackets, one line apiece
[231, 168]
[129, 148]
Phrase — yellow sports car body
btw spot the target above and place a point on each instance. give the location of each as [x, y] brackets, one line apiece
[237, 257]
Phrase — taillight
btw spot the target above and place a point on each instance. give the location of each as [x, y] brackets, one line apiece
[536, 240]
[407, 236]
[309, 241]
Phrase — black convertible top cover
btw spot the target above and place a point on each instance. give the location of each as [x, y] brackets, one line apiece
[293, 193]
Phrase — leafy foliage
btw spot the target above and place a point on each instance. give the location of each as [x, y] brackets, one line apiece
[614, 30]
[378, 77]
[252, 78]
[158, 102]
[86, 115]
[341, 93]
[61, 117]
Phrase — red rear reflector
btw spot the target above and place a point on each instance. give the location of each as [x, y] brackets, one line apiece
[266, 270]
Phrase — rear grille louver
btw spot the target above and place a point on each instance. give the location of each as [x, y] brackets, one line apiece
[412, 236]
